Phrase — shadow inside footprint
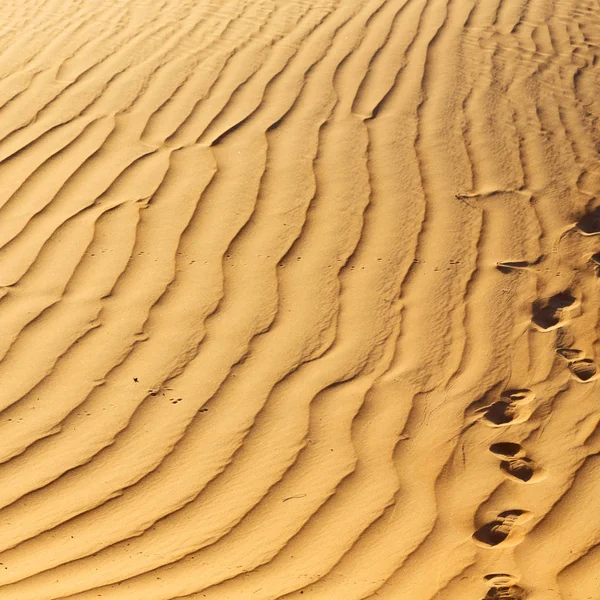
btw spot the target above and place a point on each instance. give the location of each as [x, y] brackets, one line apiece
[547, 313]
[496, 531]
[500, 413]
[506, 449]
[590, 224]
[584, 370]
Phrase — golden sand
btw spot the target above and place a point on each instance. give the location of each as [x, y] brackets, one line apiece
[299, 299]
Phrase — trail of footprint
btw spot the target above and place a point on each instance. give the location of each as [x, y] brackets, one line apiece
[506, 529]
[547, 314]
[503, 587]
[515, 464]
[554, 312]
[513, 407]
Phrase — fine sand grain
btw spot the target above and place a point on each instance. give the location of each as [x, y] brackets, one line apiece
[299, 299]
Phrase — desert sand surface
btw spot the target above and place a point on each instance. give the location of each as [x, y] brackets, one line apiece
[299, 299]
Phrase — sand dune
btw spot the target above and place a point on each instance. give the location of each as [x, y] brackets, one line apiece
[299, 298]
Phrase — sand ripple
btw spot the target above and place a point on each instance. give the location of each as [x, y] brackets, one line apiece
[299, 298]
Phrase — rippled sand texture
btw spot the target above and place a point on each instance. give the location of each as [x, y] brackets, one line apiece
[299, 298]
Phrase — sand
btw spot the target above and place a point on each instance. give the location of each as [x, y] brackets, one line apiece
[299, 299]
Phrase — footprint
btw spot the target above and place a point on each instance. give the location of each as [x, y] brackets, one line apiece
[511, 408]
[515, 464]
[584, 370]
[514, 592]
[500, 413]
[505, 529]
[570, 354]
[596, 261]
[590, 224]
[500, 579]
[503, 587]
[521, 469]
[508, 266]
[550, 314]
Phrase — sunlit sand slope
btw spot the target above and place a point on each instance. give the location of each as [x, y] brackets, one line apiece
[299, 299]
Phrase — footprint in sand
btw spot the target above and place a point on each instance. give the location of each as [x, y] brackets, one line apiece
[506, 529]
[510, 266]
[584, 370]
[554, 312]
[513, 407]
[589, 224]
[503, 587]
[515, 464]
[570, 354]
[596, 261]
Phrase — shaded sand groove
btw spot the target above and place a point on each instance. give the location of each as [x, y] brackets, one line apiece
[299, 299]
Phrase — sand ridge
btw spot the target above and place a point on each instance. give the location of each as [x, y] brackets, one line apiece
[299, 299]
